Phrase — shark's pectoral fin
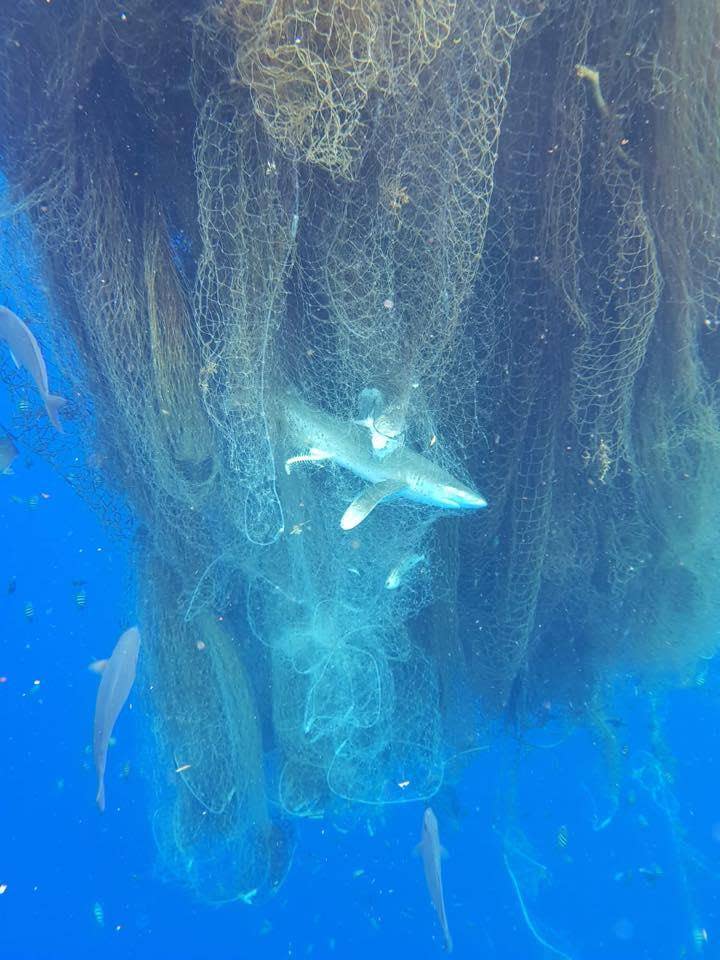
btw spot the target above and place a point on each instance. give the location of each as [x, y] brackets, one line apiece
[314, 456]
[366, 502]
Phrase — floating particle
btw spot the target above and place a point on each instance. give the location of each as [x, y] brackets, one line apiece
[183, 767]
[624, 929]
[81, 599]
[99, 914]
[29, 611]
[97, 666]
[3, 679]
[200, 645]
[3, 888]
[388, 304]
[403, 784]
[562, 837]
[358, 873]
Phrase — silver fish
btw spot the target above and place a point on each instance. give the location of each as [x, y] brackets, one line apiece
[8, 452]
[115, 685]
[26, 353]
[431, 852]
[400, 571]
[402, 473]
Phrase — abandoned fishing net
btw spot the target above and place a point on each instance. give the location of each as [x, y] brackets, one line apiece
[324, 279]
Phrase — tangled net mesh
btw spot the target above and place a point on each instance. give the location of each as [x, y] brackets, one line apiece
[498, 220]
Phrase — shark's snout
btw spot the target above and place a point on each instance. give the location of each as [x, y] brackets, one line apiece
[462, 498]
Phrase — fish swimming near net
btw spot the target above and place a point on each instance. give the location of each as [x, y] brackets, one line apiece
[115, 685]
[432, 853]
[8, 453]
[25, 351]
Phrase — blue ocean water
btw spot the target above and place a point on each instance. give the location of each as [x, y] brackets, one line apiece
[78, 884]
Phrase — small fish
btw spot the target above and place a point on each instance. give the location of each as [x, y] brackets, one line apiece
[8, 453]
[115, 685]
[99, 914]
[81, 599]
[432, 853]
[25, 351]
[400, 571]
[562, 837]
[650, 874]
[29, 611]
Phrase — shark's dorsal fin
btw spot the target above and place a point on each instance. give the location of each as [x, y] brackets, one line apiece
[366, 502]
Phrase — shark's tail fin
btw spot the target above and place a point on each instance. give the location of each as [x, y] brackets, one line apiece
[53, 404]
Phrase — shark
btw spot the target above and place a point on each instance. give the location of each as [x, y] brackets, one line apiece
[402, 472]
